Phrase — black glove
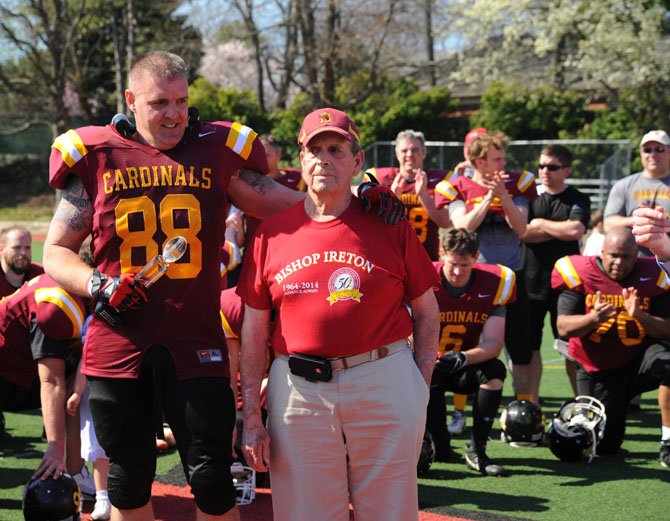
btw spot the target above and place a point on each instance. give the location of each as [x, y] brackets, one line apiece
[391, 208]
[451, 362]
[116, 294]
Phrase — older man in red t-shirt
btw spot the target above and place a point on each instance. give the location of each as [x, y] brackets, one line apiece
[347, 396]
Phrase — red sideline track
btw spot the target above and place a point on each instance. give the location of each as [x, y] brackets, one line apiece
[172, 503]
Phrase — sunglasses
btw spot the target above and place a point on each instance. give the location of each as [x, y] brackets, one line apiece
[649, 150]
[551, 168]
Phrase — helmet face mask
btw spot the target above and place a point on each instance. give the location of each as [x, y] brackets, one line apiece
[244, 480]
[577, 428]
[52, 499]
[522, 424]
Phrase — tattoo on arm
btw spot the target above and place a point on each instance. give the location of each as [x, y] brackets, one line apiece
[75, 208]
[260, 183]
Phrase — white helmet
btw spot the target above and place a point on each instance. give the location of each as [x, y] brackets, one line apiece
[577, 428]
[244, 480]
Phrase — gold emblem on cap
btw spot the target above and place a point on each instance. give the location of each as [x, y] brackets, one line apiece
[325, 117]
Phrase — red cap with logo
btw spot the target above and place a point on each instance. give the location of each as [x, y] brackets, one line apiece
[327, 120]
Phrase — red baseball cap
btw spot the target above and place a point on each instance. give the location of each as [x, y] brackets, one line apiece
[327, 120]
[473, 134]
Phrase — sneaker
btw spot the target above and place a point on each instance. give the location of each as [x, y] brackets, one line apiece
[479, 461]
[457, 425]
[102, 510]
[86, 484]
[664, 453]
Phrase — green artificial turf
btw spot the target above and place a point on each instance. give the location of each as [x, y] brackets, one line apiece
[631, 485]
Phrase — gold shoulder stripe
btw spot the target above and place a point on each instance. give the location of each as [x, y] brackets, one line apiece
[366, 177]
[226, 326]
[505, 286]
[525, 180]
[240, 139]
[446, 189]
[568, 272]
[71, 147]
[66, 303]
[662, 281]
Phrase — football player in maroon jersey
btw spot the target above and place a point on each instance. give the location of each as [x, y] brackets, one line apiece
[38, 325]
[616, 311]
[472, 299]
[494, 203]
[416, 188]
[135, 189]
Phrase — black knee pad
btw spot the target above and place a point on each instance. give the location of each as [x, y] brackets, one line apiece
[129, 484]
[212, 486]
[210, 417]
[491, 370]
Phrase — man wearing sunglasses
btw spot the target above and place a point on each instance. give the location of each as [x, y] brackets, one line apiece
[556, 222]
[646, 189]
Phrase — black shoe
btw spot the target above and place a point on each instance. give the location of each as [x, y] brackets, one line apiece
[2, 423]
[664, 453]
[479, 461]
[443, 456]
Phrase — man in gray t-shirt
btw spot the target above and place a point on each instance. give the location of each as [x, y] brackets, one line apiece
[649, 188]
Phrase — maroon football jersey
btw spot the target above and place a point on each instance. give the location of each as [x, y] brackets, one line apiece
[416, 214]
[472, 193]
[7, 289]
[620, 339]
[232, 313]
[462, 318]
[143, 197]
[59, 315]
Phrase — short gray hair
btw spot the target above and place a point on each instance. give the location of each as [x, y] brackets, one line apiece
[411, 134]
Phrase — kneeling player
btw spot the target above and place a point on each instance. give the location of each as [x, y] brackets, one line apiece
[472, 299]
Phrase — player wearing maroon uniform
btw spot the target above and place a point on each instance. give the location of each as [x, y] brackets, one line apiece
[16, 266]
[494, 203]
[37, 324]
[416, 188]
[616, 311]
[325, 264]
[135, 189]
[472, 299]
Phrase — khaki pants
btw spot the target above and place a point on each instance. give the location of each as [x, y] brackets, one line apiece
[356, 438]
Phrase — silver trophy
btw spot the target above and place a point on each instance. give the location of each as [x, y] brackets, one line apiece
[148, 275]
[156, 267]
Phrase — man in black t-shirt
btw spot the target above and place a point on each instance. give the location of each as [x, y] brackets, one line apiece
[556, 222]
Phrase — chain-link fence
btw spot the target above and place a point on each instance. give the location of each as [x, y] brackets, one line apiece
[597, 163]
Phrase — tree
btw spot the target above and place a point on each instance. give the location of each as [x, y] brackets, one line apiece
[522, 113]
[216, 103]
[42, 34]
[605, 47]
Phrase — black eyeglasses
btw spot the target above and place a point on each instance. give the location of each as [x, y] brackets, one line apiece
[649, 150]
[551, 168]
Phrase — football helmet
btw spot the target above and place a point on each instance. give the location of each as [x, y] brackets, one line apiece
[577, 428]
[52, 499]
[427, 454]
[244, 480]
[522, 424]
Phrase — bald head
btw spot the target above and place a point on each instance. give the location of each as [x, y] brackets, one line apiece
[621, 235]
[619, 252]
